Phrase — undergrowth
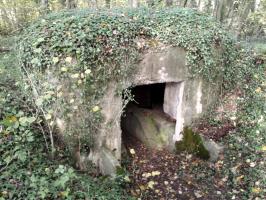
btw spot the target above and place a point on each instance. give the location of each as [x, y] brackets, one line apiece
[26, 168]
[67, 56]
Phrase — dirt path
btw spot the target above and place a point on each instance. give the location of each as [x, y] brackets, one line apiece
[162, 175]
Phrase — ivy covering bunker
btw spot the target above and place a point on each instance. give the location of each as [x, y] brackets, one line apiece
[69, 59]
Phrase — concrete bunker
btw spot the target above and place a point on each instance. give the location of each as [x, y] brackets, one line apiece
[88, 79]
[185, 99]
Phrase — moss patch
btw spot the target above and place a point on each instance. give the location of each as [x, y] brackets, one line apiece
[192, 143]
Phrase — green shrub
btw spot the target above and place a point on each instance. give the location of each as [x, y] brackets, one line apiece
[26, 169]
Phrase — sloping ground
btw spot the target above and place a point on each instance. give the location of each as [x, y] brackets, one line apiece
[163, 175]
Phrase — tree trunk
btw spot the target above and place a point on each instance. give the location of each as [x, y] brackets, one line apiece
[133, 3]
[185, 3]
[63, 3]
[44, 6]
[220, 10]
[92, 3]
[168, 3]
[70, 4]
[44, 3]
[243, 16]
[108, 3]
[150, 3]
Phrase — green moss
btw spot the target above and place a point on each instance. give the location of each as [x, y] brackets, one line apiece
[154, 130]
[192, 143]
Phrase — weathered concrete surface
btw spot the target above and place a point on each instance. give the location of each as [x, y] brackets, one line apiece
[106, 153]
[186, 99]
[108, 163]
[152, 127]
[172, 98]
[166, 65]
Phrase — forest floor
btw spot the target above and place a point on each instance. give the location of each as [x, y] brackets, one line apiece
[159, 174]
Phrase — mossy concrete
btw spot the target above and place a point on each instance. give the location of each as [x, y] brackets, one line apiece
[192, 143]
[198, 145]
[149, 126]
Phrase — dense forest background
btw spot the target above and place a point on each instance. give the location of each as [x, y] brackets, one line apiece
[246, 19]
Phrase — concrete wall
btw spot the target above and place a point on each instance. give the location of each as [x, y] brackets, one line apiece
[186, 99]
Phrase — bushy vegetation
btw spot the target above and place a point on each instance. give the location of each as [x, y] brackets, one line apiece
[90, 48]
[26, 168]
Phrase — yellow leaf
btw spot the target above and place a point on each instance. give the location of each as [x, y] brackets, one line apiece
[12, 118]
[132, 151]
[263, 148]
[48, 116]
[68, 59]
[88, 71]
[75, 75]
[95, 108]
[142, 187]
[55, 60]
[258, 90]
[256, 190]
[239, 178]
[155, 173]
[151, 184]
[63, 69]
[127, 179]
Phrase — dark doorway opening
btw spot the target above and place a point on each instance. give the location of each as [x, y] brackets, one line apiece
[148, 103]
[149, 96]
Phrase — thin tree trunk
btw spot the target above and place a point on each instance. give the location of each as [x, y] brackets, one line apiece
[44, 6]
[133, 3]
[44, 3]
[4, 15]
[150, 3]
[185, 3]
[92, 3]
[243, 16]
[108, 3]
[70, 4]
[220, 10]
[168, 3]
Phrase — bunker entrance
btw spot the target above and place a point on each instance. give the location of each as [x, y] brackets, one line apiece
[144, 118]
[149, 96]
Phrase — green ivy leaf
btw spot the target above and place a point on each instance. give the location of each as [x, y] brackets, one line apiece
[31, 119]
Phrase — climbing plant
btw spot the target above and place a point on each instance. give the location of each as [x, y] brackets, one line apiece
[69, 58]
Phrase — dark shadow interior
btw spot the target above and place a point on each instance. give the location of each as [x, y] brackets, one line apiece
[149, 96]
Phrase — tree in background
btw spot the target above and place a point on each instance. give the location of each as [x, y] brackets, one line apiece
[244, 18]
[133, 3]
[70, 4]
[44, 6]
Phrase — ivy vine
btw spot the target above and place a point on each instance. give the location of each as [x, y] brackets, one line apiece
[90, 48]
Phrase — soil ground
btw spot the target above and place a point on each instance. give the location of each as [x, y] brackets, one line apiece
[159, 174]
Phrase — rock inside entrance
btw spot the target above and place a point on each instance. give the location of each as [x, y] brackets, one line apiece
[145, 119]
